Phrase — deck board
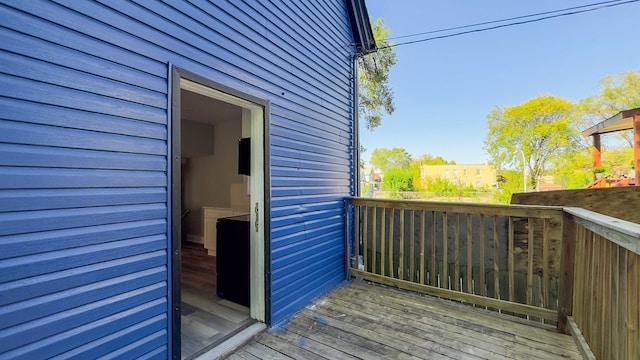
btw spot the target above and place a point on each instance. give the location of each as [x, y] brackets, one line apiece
[368, 321]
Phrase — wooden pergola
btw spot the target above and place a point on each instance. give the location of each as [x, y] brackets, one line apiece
[624, 120]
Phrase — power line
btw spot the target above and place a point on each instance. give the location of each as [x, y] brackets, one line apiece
[506, 25]
[501, 20]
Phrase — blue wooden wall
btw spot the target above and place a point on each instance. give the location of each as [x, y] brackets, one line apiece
[84, 269]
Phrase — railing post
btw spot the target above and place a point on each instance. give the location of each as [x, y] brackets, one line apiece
[567, 264]
[348, 236]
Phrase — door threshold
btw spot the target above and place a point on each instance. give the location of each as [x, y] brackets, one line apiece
[231, 342]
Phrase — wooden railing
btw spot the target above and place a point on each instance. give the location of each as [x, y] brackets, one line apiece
[600, 277]
[571, 265]
[504, 257]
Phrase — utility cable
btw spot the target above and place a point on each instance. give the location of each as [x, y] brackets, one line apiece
[501, 20]
[508, 25]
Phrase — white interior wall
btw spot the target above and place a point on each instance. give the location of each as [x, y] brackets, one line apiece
[208, 178]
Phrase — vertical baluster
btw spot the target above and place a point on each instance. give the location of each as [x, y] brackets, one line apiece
[545, 263]
[496, 259]
[365, 236]
[456, 273]
[374, 240]
[445, 252]
[511, 260]
[391, 271]
[401, 247]
[433, 250]
[633, 315]
[383, 240]
[469, 255]
[620, 336]
[357, 240]
[530, 250]
[412, 252]
[423, 273]
[483, 286]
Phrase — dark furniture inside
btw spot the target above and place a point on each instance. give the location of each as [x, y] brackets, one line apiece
[232, 252]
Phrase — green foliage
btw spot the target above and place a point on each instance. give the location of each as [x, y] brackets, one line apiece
[599, 169]
[513, 185]
[385, 159]
[427, 159]
[441, 187]
[542, 128]
[364, 189]
[618, 93]
[399, 179]
[375, 95]
[618, 161]
[573, 167]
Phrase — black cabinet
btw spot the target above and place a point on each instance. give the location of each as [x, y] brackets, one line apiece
[232, 258]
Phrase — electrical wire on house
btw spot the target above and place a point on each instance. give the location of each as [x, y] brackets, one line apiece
[598, 6]
[502, 20]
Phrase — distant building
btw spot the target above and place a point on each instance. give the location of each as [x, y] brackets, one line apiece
[475, 175]
[369, 176]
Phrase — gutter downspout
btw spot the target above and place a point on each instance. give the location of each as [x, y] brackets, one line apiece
[355, 188]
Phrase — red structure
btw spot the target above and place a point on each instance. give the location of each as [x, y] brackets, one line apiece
[624, 120]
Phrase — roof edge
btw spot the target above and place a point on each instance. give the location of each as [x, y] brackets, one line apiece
[605, 126]
[363, 38]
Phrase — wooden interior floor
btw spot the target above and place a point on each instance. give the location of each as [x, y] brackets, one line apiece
[366, 321]
[207, 320]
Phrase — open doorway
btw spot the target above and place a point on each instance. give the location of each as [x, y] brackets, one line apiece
[220, 202]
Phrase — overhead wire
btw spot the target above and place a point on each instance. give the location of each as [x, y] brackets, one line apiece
[604, 5]
[501, 20]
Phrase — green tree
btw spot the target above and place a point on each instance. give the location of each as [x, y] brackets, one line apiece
[375, 94]
[428, 159]
[512, 184]
[618, 93]
[542, 128]
[385, 159]
[399, 179]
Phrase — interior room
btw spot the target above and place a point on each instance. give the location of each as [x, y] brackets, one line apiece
[215, 202]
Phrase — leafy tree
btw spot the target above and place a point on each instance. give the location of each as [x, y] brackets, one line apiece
[513, 184]
[386, 159]
[618, 93]
[542, 128]
[428, 159]
[375, 95]
[573, 167]
[399, 179]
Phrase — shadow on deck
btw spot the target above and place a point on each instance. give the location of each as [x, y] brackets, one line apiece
[367, 321]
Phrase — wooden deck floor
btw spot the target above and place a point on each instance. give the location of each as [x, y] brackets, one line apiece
[366, 321]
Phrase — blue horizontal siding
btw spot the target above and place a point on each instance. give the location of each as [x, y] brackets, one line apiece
[50, 283]
[130, 343]
[32, 90]
[38, 199]
[36, 48]
[33, 156]
[45, 241]
[29, 178]
[16, 17]
[84, 148]
[49, 73]
[41, 339]
[21, 133]
[32, 309]
[38, 264]
[38, 113]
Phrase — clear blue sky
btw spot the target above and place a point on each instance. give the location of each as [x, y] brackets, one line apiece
[445, 88]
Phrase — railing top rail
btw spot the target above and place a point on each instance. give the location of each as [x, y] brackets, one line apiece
[621, 232]
[465, 208]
